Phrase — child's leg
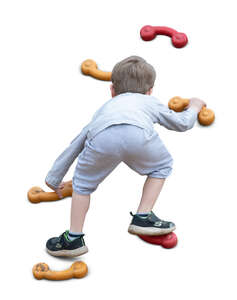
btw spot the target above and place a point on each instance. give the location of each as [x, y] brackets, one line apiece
[151, 190]
[145, 222]
[150, 158]
[79, 208]
[71, 243]
[98, 159]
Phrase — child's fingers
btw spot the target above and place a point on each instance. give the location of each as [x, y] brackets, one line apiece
[61, 185]
[59, 193]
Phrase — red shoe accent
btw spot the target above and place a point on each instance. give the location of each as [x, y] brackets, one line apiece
[166, 241]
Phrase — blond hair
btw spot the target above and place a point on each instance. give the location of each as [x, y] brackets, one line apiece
[133, 74]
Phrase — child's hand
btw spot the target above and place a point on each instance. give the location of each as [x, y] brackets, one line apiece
[63, 183]
[58, 189]
[196, 104]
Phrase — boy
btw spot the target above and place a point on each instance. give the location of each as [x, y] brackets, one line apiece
[121, 130]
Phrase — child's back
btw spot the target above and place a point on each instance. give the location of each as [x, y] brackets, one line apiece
[140, 110]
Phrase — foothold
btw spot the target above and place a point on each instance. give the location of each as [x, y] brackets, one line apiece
[36, 194]
[178, 39]
[166, 241]
[89, 67]
[77, 270]
[205, 117]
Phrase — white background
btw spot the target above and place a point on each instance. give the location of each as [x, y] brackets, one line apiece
[45, 102]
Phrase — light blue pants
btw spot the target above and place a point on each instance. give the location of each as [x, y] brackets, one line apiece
[143, 152]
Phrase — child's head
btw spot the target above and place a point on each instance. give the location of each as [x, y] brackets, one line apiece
[134, 75]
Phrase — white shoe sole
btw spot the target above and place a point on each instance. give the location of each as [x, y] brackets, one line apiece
[69, 253]
[133, 229]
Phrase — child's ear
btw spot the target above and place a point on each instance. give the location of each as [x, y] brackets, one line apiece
[112, 90]
[149, 92]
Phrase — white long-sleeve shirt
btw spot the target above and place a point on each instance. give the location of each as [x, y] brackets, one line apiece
[130, 108]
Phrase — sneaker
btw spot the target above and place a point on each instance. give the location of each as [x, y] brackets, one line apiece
[149, 225]
[62, 246]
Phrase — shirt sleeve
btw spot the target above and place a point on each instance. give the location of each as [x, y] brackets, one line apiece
[178, 121]
[65, 160]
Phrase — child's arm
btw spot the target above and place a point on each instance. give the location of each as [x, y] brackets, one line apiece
[65, 160]
[179, 121]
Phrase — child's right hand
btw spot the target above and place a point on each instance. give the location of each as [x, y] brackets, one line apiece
[57, 190]
[196, 104]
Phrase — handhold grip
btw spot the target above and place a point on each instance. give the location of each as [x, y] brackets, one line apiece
[178, 104]
[36, 194]
[205, 117]
[77, 270]
[179, 39]
[89, 67]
